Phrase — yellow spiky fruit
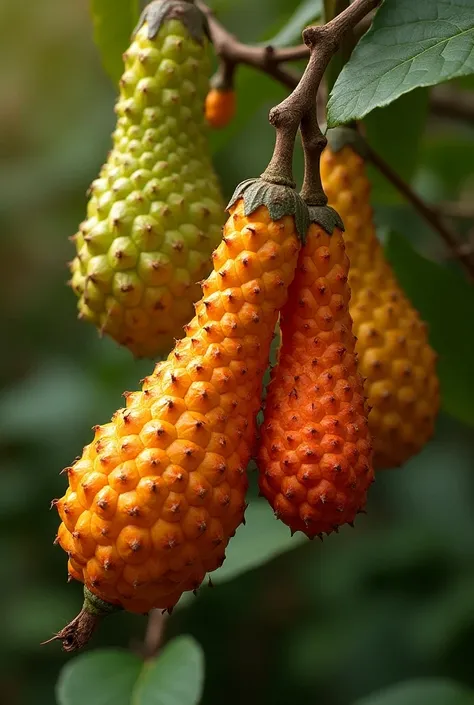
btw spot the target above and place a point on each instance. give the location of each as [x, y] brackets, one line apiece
[155, 498]
[155, 212]
[394, 352]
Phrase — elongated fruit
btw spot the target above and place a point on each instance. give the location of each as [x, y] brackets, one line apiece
[315, 455]
[155, 498]
[155, 213]
[394, 353]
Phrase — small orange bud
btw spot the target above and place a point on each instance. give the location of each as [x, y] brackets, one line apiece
[220, 107]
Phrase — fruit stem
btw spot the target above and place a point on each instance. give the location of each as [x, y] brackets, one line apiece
[223, 79]
[323, 42]
[314, 142]
[77, 633]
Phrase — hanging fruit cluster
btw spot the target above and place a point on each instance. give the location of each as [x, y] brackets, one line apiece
[160, 490]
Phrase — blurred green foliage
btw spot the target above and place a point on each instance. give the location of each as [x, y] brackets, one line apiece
[389, 601]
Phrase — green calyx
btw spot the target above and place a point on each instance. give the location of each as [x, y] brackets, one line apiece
[97, 607]
[326, 217]
[77, 633]
[279, 198]
[340, 137]
[186, 11]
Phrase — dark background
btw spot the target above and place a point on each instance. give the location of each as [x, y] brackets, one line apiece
[326, 623]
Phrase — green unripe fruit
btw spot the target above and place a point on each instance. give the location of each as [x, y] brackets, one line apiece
[155, 212]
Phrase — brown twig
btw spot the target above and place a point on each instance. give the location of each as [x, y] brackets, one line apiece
[323, 41]
[466, 248]
[263, 58]
[463, 210]
[429, 214]
[314, 142]
[451, 103]
[154, 633]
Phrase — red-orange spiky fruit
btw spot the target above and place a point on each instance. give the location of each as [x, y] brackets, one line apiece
[314, 457]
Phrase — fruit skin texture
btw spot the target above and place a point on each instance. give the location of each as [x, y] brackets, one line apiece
[315, 456]
[155, 498]
[155, 212]
[392, 343]
[220, 107]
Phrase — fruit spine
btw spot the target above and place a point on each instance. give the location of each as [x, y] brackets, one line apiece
[155, 498]
[155, 213]
[392, 342]
[315, 456]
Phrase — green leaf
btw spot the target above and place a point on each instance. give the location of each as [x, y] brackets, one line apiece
[443, 621]
[445, 301]
[435, 691]
[174, 677]
[386, 121]
[259, 541]
[410, 44]
[308, 11]
[56, 395]
[102, 677]
[114, 21]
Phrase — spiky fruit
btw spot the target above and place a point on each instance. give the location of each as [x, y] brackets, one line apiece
[394, 353]
[314, 456]
[155, 498]
[155, 213]
[220, 107]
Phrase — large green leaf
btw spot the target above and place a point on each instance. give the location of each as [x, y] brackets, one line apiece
[174, 677]
[423, 691]
[114, 21]
[260, 540]
[102, 677]
[410, 44]
[382, 127]
[114, 677]
[445, 301]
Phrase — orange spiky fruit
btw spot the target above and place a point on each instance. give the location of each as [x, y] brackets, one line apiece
[314, 456]
[156, 496]
[392, 341]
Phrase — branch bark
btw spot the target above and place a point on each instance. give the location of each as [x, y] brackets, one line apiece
[266, 59]
[430, 214]
[154, 633]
